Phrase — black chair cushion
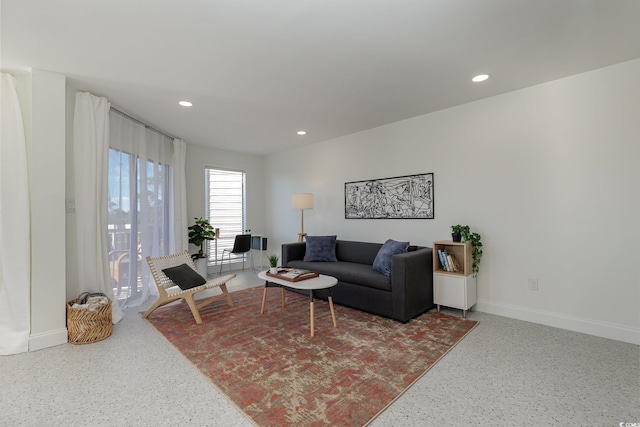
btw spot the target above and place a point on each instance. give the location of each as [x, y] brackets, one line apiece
[184, 276]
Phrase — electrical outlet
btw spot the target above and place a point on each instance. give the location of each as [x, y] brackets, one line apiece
[533, 284]
[71, 206]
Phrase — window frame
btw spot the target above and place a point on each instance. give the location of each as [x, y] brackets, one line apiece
[227, 232]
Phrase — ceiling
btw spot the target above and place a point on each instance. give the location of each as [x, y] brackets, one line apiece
[257, 71]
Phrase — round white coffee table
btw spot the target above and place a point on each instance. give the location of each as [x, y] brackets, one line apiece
[321, 282]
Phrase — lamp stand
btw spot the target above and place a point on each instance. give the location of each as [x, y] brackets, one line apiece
[301, 234]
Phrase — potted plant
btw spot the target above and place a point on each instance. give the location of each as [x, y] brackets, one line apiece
[457, 231]
[273, 263]
[465, 235]
[199, 233]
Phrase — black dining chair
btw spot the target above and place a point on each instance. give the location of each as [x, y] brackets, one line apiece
[241, 245]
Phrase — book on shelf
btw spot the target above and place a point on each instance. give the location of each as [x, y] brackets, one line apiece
[293, 274]
[453, 263]
[448, 261]
[441, 257]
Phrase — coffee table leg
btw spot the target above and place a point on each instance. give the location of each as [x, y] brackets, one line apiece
[333, 314]
[264, 297]
[311, 316]
[311, 310]
[282, 296]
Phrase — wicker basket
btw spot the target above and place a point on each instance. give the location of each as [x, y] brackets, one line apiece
[86, 326]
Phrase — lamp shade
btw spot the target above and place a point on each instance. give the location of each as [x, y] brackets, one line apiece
[302, 201]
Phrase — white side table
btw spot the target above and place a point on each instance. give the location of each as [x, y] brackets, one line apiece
[454, 291]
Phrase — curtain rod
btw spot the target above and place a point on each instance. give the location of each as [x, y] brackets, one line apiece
[115, 110]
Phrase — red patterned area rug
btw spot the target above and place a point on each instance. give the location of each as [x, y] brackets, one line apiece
[277, 375]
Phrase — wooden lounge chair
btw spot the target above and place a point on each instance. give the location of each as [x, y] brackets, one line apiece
[170, 292]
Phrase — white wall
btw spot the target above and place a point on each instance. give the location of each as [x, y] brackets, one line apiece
[547, 175]
[42, 101]
[47, 187]
[198, 158]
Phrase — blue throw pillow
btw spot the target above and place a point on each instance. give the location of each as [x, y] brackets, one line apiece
[321, 248]
[382, 263]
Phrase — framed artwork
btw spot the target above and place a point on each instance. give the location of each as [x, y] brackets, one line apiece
[402, 197]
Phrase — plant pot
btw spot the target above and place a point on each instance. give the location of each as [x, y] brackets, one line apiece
[456, 237]
[273, 270]
[201, 266]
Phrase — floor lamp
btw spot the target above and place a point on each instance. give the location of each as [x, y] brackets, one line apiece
[302, 201]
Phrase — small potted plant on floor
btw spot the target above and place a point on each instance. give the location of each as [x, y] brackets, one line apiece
[199, 234]
[273, 263]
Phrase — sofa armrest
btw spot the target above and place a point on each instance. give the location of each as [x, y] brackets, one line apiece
[292, 252]
[412, 283]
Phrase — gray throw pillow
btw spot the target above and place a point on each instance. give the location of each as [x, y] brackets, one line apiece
[320, 249]
[184, 276]
[382, 263]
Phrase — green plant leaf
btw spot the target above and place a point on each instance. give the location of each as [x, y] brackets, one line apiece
[200, 232]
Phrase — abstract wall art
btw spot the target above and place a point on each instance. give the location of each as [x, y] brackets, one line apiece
[403, 197]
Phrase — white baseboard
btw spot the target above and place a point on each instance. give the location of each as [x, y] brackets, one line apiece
[563, 321]
[47, 339]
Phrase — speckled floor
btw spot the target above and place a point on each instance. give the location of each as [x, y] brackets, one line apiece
[504, 373]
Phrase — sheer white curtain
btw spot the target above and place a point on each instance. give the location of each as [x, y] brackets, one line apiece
[180, 238]
[140, 206]
[90, 151]
[15, 244]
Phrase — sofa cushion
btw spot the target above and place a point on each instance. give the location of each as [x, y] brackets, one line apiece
[347, 272]
[320, 249]
[184, 276]
[360, 252]
[382, 263]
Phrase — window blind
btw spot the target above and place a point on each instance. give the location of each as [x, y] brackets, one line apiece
[224, 207]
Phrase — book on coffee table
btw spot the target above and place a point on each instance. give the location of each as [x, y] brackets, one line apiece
[294, 274]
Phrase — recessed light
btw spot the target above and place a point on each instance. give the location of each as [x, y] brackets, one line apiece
[302, 132]
[480, 78]
[185, 103]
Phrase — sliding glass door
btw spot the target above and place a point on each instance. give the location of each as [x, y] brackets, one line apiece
[138, 207]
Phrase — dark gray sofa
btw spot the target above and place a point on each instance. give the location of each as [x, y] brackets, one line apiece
[404, 295]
